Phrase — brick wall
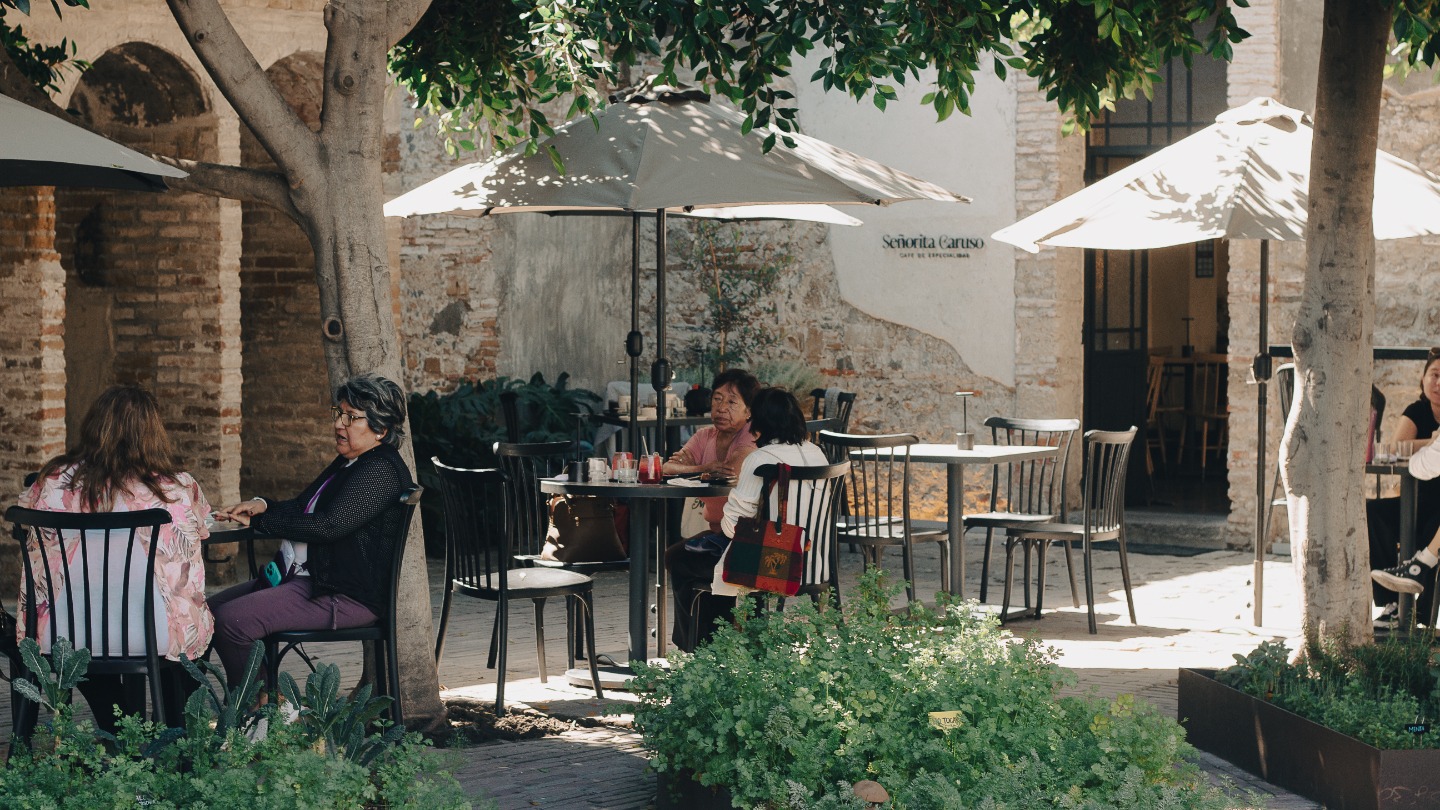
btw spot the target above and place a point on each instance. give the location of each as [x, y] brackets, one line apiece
[286, 389]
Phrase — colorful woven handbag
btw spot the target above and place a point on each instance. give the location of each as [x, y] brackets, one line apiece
[768, 555]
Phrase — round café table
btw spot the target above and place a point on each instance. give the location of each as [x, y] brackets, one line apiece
[644, 523]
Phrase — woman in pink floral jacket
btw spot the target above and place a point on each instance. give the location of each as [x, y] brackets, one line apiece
[124, 463]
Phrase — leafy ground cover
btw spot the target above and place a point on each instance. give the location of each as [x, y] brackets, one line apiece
[944, 709]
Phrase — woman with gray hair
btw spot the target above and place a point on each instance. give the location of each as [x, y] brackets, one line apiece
[335, 558]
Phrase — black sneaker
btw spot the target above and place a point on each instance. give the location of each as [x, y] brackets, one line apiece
[1388, 617]
[1405, 577]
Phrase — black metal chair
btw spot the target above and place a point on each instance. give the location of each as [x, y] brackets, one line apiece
[382, 632]
[814, 504]
[91, 569]
[484, 560]
[1107, 454]
[1031, 491]
[835, 419]
[524, 465]
[876, 514]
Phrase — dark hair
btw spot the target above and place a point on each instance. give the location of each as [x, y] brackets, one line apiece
[382, 401]
[1430, 358]
[775, 416]
[743, 381]
[122, 440]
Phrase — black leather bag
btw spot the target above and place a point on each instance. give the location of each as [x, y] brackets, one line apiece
[582, 529]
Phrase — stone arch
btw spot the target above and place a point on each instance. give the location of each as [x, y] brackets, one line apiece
[143, 271]
[285, 393]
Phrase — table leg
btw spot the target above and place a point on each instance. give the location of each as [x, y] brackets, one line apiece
[640, 533]
[955, 522]
[1407, 540]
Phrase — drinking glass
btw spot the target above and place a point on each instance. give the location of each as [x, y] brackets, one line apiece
[626, 471]
[650, 469]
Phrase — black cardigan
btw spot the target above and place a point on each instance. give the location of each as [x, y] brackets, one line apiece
[350, 532]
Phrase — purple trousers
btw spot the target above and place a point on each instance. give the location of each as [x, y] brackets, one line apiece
[243, 615]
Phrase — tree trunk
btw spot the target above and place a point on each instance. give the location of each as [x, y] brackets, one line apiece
[1323, 444]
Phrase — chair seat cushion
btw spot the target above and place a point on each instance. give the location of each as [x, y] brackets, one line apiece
[523, 581]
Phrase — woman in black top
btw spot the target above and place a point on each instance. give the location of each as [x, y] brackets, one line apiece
[1419, 421]
[338, 532]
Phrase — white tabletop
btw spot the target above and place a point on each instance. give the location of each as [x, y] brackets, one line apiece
[982, 454]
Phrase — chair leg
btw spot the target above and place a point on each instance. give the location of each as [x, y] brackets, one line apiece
[1009, 577]
[1041, 546]
[1070, 566]
[945, 584]
[496, 637]
[392, 666]
[985, 565]
[540, 639]
[1125, 576]
[1025, 581]
[573, 635]
[272, 665]
[444, 623]
[907, 565]
[586, 606]
[1204, 445]
[1090, 586]
[501, 632]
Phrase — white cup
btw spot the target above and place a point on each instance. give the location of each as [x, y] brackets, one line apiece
[647, 412]
[624, 403]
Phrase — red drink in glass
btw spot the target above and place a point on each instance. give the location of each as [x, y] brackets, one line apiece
[650, 469]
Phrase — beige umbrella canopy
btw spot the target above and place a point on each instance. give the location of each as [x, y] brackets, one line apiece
[39, 149]
[665, 150]
[1247, 176]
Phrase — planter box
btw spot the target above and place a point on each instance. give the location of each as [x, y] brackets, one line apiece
[680, 791]
[1285, 749]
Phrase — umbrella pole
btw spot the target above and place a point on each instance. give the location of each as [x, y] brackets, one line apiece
[660, 372]
[634, 342]
[1261, 368]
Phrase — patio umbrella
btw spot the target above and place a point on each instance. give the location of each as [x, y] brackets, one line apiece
[1247, 176]
[39, 149]
[664, 150]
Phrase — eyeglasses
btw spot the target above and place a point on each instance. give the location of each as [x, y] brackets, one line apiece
[346, 419]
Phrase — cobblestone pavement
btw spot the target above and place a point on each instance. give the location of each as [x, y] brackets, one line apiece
[1193, 612]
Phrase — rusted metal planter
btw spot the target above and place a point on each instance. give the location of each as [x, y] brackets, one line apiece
[1285, 749]
[680, 791]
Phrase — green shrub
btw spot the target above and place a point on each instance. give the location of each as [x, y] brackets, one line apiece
[1375, 693]
[326, 758]
[789, 708]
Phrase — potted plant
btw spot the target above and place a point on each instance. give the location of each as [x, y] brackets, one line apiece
[1348, 726]
[944, 709]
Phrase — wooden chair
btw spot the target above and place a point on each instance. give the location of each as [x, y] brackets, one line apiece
[1209, 409]
[814, 504]
[97, 573]
[877, 501]
[1156, 409]
[383, 632]
[1102, 517]
[1032, 491]
[484, 559]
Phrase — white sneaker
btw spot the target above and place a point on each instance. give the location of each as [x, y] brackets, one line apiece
[1387, 617]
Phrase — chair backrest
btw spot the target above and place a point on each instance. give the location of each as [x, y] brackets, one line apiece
[1107, 456]
[476, 547]
[1154, 385]
[510, 411]
[839, 415]
[814, 495]
[1037, 486]
[877, 489]
[410, 501]
[527, 509]
[1285, 387]
[1212, 377]
[96, 571]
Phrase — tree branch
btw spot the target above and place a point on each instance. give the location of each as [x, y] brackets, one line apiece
[401, 17]
[16, 85]
[233, 68]
[233, 182]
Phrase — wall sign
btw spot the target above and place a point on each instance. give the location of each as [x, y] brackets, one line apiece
[937, 246]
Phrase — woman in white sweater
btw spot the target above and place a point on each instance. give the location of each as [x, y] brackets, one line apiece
[779, 427]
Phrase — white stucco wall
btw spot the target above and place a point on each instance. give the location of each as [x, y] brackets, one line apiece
[963, 295]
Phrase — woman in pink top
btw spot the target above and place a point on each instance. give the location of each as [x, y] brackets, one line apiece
[124, 463]
[721, 448]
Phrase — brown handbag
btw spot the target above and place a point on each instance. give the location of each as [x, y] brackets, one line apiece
[582, 529]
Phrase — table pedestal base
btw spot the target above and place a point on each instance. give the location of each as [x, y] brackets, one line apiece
[612, 676]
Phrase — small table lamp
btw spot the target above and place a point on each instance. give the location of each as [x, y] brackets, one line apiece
[965, 440]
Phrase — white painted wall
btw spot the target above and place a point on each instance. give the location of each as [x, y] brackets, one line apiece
[968, 302]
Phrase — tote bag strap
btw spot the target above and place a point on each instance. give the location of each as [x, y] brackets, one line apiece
[783, 481]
